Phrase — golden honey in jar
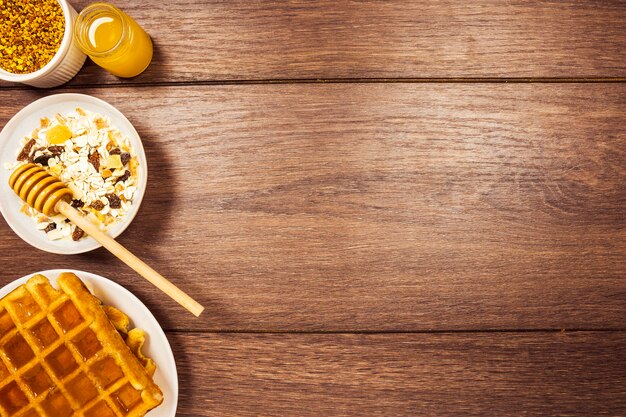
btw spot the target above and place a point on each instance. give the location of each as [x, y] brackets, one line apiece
[113, 40]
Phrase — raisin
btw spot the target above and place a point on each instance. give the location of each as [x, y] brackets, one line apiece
[94, 159]
[56, 150]
[115, 151]
[98, 205]
[77, 203]
[77, 234]
[50, 227]
[125, 158]
[123, 177]
[25, 153]
[42, 159]
[114, 201]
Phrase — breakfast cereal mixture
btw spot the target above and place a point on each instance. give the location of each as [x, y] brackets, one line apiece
[93, 159]
[31, 32]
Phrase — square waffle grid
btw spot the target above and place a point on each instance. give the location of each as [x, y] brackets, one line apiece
[45, 341]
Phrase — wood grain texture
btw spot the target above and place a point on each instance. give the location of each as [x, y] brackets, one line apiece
[200, 40]
[411, 374]
[373, 207]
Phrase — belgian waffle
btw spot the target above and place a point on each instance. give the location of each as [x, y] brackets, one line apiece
[61, 356]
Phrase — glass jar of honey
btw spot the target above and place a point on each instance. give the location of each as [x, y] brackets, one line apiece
[113, 40]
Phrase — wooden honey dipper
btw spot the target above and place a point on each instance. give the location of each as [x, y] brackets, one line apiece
[40, 190]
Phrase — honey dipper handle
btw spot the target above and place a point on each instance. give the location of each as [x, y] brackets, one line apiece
[129, 259]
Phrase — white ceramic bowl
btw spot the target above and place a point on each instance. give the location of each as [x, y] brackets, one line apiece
[63, 66]
[22, 124]
[157, 346]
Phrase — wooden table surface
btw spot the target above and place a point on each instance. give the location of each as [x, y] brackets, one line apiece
[387, 207]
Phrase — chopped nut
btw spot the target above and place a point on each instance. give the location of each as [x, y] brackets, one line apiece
[114, 201]
[77, 234]
[25, 153]
[56, 150]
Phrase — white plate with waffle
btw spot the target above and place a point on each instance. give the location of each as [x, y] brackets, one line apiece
[156, 346]
[21, 125]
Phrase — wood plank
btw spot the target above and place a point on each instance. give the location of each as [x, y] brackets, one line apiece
[401, 374]
[241, 40]
[376, 207]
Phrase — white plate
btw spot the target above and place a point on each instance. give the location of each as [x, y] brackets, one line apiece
[22, 124]
[157, 347]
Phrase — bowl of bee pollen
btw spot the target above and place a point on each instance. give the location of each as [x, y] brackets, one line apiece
[37, 45]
